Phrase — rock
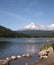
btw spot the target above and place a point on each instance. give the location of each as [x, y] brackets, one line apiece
[9, 59]
[26, 55]
[19, 56]
[45, 53]
[50, 50]
[4, 62]
[42, 53]
[13, 57]
[43, 57]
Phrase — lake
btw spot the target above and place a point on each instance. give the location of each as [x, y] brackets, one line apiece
[19, 46]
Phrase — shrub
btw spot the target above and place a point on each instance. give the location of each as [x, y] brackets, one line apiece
[44, 47]
[52, 44]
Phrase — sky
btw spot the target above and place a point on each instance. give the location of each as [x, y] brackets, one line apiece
[15, 14]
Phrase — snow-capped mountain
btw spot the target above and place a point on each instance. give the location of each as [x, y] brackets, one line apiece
[36, 30]
[33, 26]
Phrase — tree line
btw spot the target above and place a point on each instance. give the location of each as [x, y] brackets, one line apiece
[8, 33]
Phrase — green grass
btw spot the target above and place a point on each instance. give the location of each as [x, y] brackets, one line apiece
[52, 44]
[45, 47]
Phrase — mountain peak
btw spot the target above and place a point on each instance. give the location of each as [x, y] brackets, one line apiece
[32, 26]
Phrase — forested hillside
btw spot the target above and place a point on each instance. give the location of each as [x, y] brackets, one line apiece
[8, 33]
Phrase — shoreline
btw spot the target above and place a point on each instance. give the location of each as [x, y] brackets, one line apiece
[48, 61]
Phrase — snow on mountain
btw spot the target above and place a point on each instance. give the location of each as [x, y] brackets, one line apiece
[33, 26]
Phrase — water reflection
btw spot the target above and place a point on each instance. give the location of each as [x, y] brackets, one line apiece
[31, 48]
[19, 46]
[31, 40]
[9, 47]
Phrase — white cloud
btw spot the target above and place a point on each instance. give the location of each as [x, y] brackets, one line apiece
[51, 27]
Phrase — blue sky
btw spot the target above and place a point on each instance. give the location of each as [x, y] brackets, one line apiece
[15, 14]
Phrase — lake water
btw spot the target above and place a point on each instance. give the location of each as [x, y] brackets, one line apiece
[19, 46]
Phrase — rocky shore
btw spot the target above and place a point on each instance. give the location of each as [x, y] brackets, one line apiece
[48, 61]
[46, 57]
[10, 59]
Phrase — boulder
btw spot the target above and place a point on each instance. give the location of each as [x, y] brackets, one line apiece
[43, 57]
[13, 57]
[50, 50]
[19, 56]
[26, 55]
[9, 59]
[43, 53]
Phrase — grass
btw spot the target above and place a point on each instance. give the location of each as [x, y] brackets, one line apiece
[45, 47]
[52, 44]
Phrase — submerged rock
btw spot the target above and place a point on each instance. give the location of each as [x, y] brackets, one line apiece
[9, 59]
[13, 57]
[19, 56]
[26, 55]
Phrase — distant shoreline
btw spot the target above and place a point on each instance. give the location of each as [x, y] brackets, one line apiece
[8, 33]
